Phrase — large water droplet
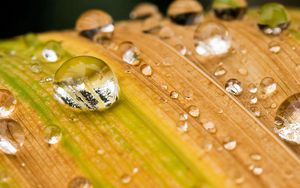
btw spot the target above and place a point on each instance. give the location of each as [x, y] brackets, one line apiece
[287, 120]
[129, 53]
[212, 39]
[11, 136]
[143, 11]
[80, 182]
[273, 18]
[267, 87]
[185, 12]
[229, 10]
[52, 134]
[86, 83]
[234, 87]
[7, 103]
[96, 25]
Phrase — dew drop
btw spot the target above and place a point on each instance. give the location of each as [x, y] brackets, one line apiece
[46, 79]
[253, 99]
[188, 94]
[273, 18]
[143, 11]
[86, 83]
[256, 170]
[152, 25]
[220, 71]
[181, 49]
[7, 103]
[252, 88]
[212, 39]
[129, 53]
[255, 157]
[80, 182]
[36, 68]
[135, 170]
[240, 180]
[230, 145]
[52, 134]
[146, 70]
[188, 12]
[96, 25]
[255, 111]
[210, 127]
[234, 87]
[125, 179]
[267, 87]
[174, 95]
[183, 127]
[11, 136]
[229, 10]
[52, 51]
[194, 111]
[183, 116]
[287, 120]
[100, 151]
[274, 47]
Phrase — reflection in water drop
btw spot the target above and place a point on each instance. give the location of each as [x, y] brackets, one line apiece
[11, 136]
[7, 103]
[129, 53]
[52, 134]
[86, 83]
[96, 25]
[287, 120]
[267, 87]
[229, 10]
[186, 12]
[233, 86]
[52, 51]
[79, 182]
[273, 18]
[212, 39]
[143, 11]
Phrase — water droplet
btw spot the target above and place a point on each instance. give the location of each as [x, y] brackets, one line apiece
[212, 39]
[243, 71]
[46, 79]
[135, 170]
[240, 180]
[233, 86]
[80, 182]
[52, 134]
[220, 71]
[174, 95]
[86, 83]
[229, 10]
[181, 49]
[152, 25]
[252, 88]
[129, 53]
[125, 179]
[96, 25]
[36, 68]
[287, 120]
[11, 136]
[183, 127]
[194, 111]
[207, 146]
[52, 51]
[210, 127]
[146, 70]
[256, 170]
[4, 178]
[186, 12]
[273, 105]
[7, 103]
[274, 47]
[188, 94]
[267, 87]
[255, 157]
[183, 116]
[273, 18]
[100, 151]
[164, 87]
[253, 99]
[143, 11]
[230, 145]
[255, 111]
[165, 32]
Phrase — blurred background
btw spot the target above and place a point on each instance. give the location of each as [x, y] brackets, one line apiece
[22, 16]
